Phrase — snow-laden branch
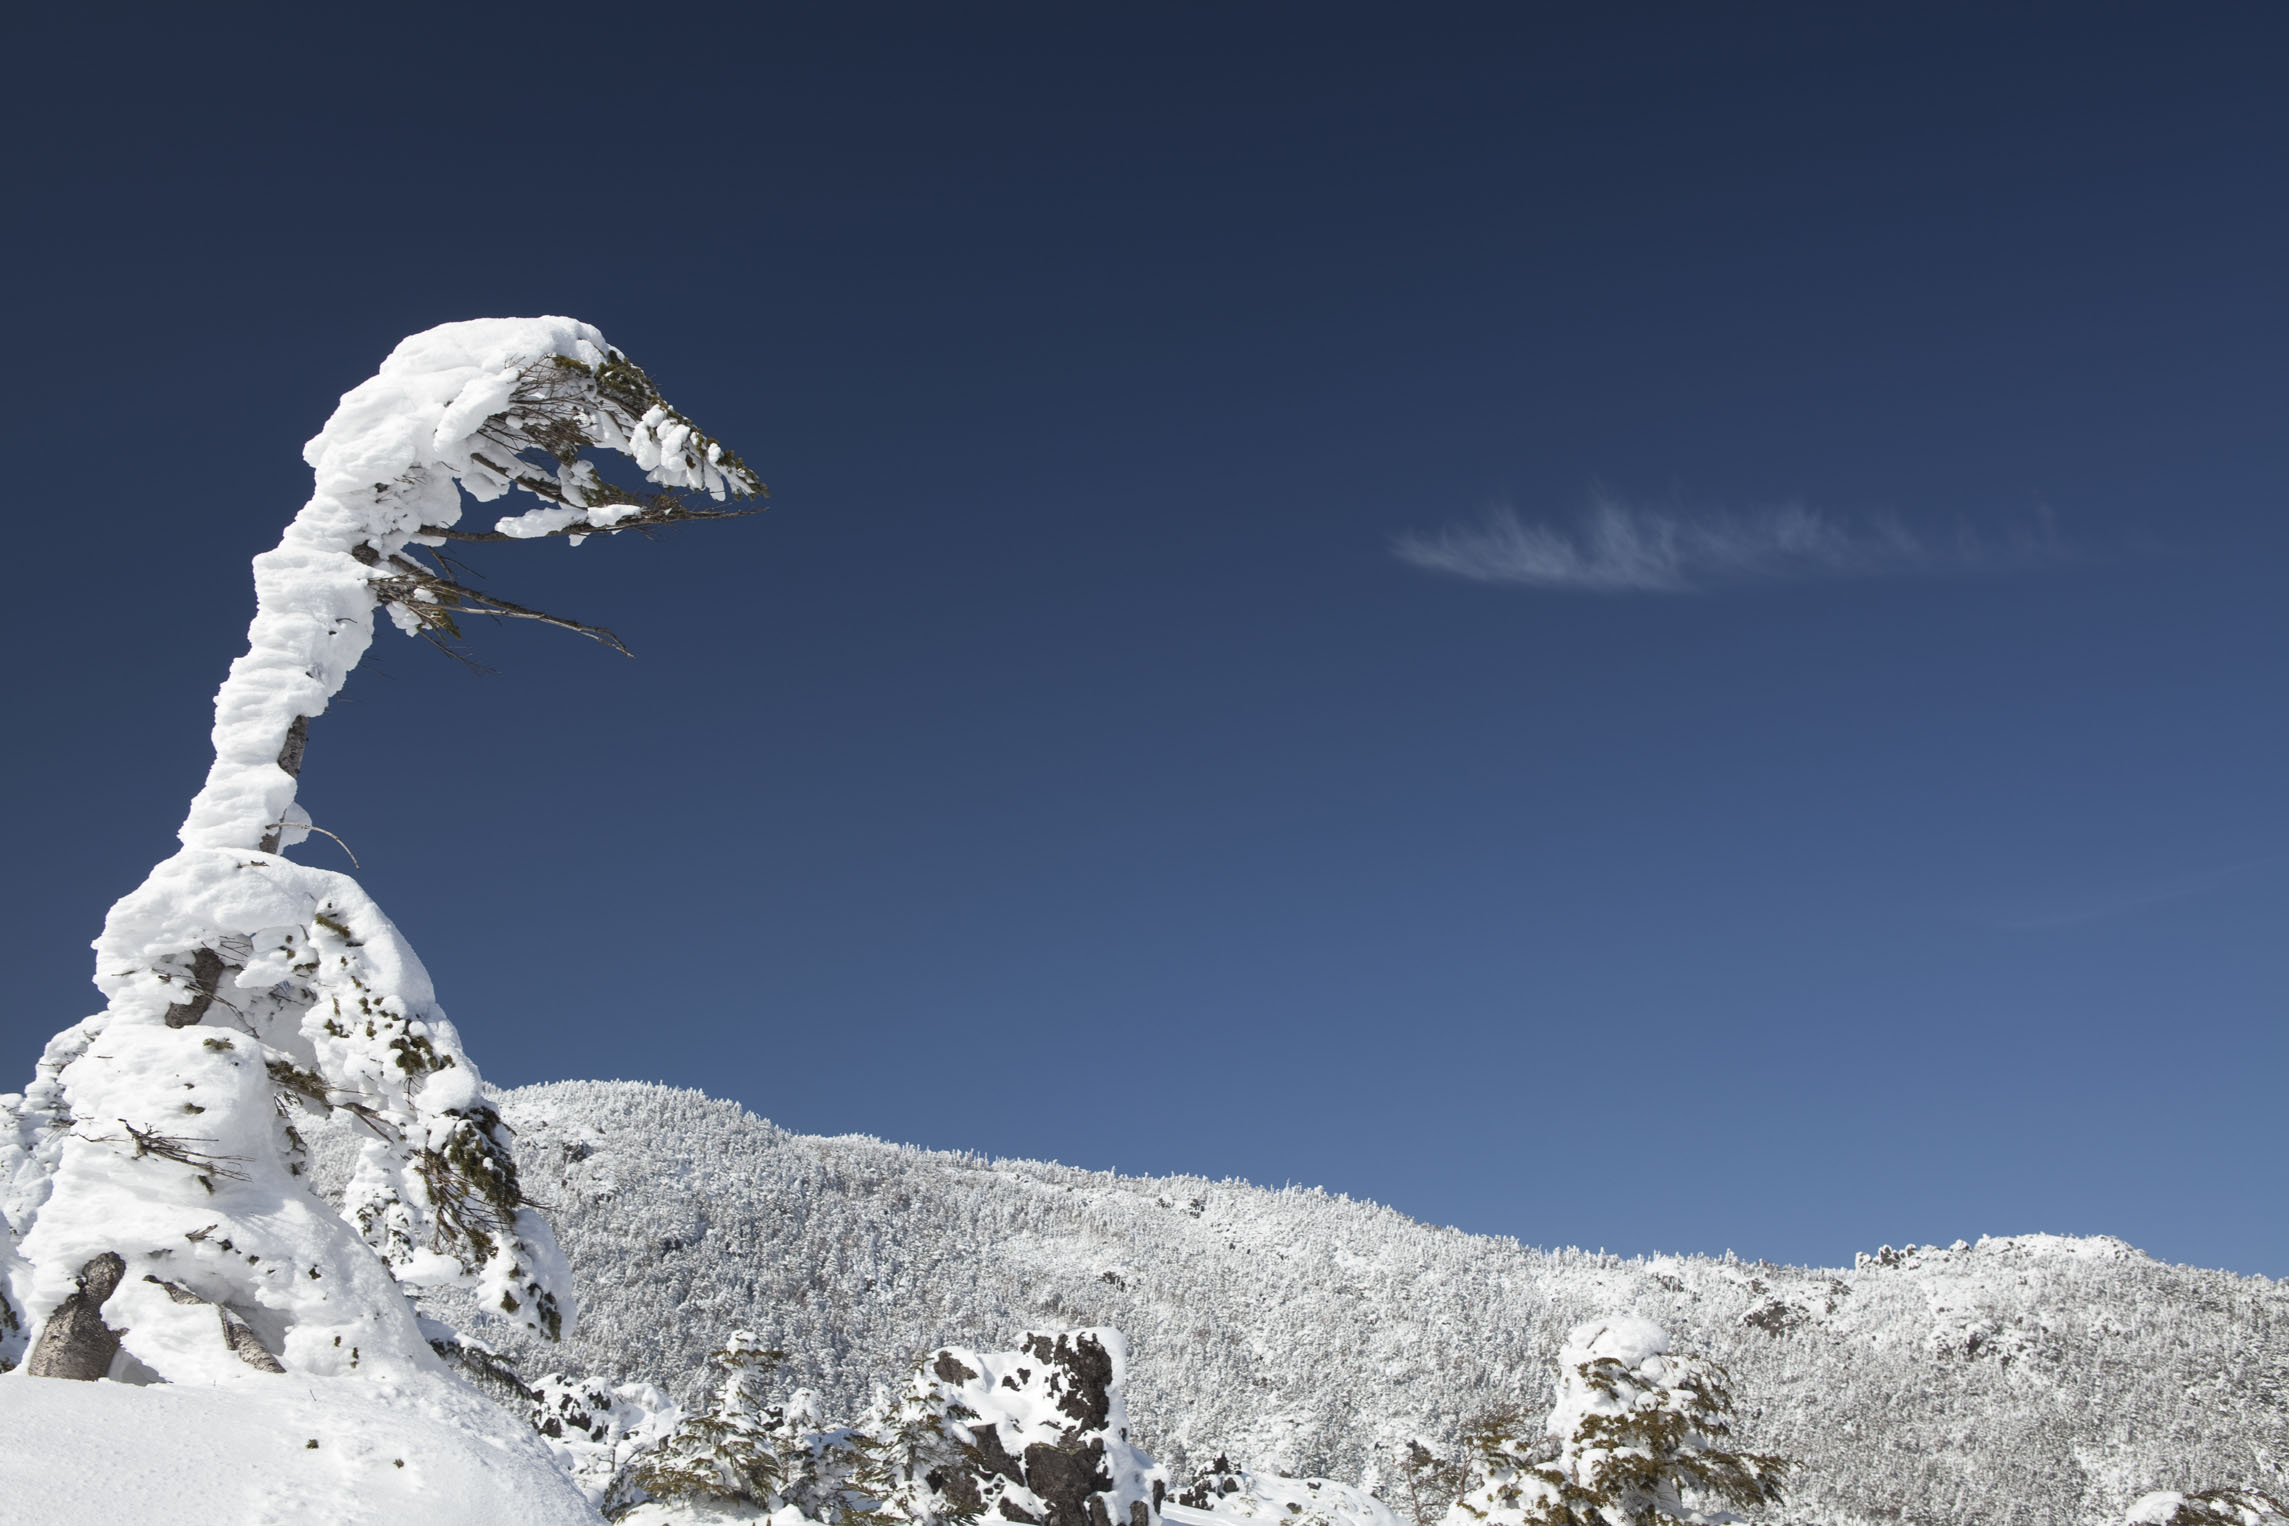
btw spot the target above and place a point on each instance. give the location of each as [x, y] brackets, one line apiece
[479, 407]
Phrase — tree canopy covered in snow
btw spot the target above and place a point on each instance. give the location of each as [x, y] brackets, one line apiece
[2022, 1381]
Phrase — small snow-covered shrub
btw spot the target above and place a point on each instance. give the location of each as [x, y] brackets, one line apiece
[731, 1453]
[1638, 1435]
[1428, 1482]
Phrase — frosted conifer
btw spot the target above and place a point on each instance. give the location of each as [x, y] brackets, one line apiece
[153, 1205]
[745, 1458]
[1638, 1436]
[1428, 1482]
[828, 1472]
[726, 1455]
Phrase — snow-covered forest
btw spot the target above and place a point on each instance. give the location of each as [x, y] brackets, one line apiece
[2029, 1380]
[263, 1208]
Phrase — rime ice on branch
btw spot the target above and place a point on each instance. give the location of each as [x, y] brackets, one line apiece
[245, 990]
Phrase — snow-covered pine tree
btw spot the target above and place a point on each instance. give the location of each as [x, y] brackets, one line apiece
[1428, 1482]
[2209, 1507]
[1638, 1436]
[743, 1459]
[828, 1472]
[154, 1214]
[728, 1454]
[926, 1458]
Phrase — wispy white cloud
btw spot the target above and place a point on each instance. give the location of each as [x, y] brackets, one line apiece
[2070, 907]
[1617, 548]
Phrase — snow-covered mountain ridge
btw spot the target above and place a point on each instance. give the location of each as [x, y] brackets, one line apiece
[2034, 1379]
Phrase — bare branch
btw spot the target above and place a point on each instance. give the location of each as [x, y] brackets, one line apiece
[178, 1148]
[307, 826]
[434, 599]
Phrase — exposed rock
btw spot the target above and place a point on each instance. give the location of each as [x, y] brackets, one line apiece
[245, 1345]
[1069, 1478]
[1041, 1434]
[243, 1342]
[76, 1343]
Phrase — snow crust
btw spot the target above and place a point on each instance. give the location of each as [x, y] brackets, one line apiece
[1638, 1344]
[236, 1452]
[1625, 1338]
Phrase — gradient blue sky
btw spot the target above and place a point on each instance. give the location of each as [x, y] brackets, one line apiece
[1073, 762]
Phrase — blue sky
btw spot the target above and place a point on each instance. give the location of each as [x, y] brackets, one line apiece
[1660, 631]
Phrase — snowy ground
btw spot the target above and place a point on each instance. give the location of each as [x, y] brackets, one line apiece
[426, 1451]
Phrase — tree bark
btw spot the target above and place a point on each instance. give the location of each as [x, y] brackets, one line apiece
[290, 759]
[206, 979]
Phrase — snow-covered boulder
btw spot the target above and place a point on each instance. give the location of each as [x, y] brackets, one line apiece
[1040, 1435]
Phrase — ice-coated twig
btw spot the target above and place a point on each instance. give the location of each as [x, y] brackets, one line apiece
[307, 826]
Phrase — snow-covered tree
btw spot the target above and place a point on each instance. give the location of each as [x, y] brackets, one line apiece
[927, 1459]
[731, 1453]
[2209, 1507]
[1638, 1435]
[743, 1458]
[828, 1472]
[1428, 1482]
[154, 1208]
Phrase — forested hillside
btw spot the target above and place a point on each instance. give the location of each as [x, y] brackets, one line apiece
[2027, 1380]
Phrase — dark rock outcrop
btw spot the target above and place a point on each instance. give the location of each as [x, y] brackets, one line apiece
[75, 1343]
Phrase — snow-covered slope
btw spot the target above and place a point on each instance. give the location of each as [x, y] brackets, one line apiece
[273, 1451]
[2027, 1380]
